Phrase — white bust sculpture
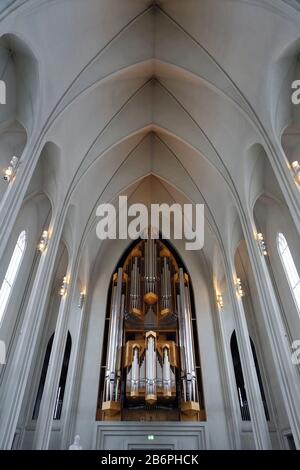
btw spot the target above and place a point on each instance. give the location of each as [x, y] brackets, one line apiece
[76, 444]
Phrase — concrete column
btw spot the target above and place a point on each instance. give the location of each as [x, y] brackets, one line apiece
[45, 418]
[233, 420]
[258, 418]
[14, 384]
[71, 395]
[288, 374]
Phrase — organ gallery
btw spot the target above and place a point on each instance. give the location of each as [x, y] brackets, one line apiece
[150, 364]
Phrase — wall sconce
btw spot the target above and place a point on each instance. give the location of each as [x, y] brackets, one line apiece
[43, 241]
[296, 171]
[239, 288]
[63, 289]
[220, 301]
[262, 244]
[81, 300]
[10, 172]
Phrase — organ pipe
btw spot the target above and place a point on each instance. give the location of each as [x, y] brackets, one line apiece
[166, 373]
[150, 368]
[166, 293]
[135, 374]
[112, 367]
[135, 289]
[187, 338]
[150, 276]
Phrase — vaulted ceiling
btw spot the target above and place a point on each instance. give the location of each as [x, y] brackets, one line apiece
[124, 89]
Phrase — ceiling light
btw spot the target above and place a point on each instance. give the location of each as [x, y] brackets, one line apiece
[43, 241]
[239, 288]
[296, 171]
[220, 301]
[10, 172]
[81, 299]
[262, 244]
[63, 289]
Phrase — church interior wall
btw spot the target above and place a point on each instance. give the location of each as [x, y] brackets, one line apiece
[170, 117]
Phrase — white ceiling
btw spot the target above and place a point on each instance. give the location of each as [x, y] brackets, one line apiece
[180, 90]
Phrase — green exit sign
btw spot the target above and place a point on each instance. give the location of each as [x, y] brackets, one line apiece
[150, 437]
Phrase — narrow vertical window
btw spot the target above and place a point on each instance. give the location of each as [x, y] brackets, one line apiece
[11, 273]
[290, 268]
[62, 382]
[239, 378]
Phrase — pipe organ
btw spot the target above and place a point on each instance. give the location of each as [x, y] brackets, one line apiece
[151, 369]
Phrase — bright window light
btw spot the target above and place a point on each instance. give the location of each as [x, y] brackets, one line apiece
[290, 268]
[11, 273]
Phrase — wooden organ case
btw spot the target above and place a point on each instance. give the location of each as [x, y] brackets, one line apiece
[150, 362]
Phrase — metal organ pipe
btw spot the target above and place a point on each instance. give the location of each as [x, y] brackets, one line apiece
[150, 368]
[119, 350]
[166, 373]
[185, 313]
[166, 286]
[150, 265]
[147, 267]
[135, 286]
[182, 343]
[135, 373]
[192, 349]
[115, 342]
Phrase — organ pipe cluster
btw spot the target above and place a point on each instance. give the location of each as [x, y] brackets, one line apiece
[150, 361]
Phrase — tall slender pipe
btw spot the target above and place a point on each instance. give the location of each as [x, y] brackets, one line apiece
[188, 339]
[150, 368]
[166, 373]
[114, 331]
[135, 373]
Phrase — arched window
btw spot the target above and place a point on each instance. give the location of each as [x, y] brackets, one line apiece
[239, 378]
[11, 273]
[62, 381]
[290, 268]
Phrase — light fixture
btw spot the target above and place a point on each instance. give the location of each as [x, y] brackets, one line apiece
[296, 171]
[220, 301]
[262, 244]
[10, 172]
[43, 241]
[239, 288]
[81, 299]
[63, 289]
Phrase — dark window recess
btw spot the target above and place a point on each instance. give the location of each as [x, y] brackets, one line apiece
[42, 379]
[239, 378]
[62, 381]
[290, 441]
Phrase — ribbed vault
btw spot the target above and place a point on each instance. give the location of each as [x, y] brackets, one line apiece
[147, 90]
